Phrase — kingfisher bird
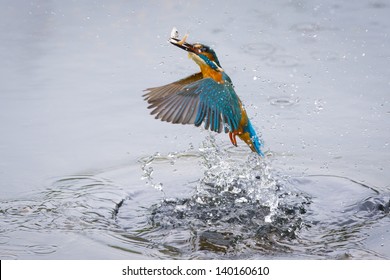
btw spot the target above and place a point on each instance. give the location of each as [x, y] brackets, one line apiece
[205, 97]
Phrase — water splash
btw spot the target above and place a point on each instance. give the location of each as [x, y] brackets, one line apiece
[148, 171]
[236, 203]
[239, 206]
[251, 180]
[149, 165]
[226, 172]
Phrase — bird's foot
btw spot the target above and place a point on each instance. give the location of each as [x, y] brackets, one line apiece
[232, 136]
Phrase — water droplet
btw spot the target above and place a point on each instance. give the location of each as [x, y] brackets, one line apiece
[241, 200]
[158, 186]
[319, 105]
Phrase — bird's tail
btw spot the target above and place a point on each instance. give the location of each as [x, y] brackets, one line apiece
[250, 137]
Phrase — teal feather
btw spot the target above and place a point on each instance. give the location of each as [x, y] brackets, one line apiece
[198, 100]
[195, 100]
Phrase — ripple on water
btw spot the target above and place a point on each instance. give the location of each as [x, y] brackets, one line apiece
[262, 50]
[238, 207]
[241, 208]
[283, 60]
[72, 204]
[42, 249]
[271, 55]
[306, 27]
[324, 55]
[284, 101]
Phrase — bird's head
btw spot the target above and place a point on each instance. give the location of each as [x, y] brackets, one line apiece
[203, 55]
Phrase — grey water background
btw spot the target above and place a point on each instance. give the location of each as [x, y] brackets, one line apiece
[86, 172]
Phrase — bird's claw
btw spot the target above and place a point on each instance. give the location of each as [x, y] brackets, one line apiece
[232, 136]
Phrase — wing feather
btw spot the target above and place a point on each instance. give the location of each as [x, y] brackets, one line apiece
[195, 100]
[169, 89]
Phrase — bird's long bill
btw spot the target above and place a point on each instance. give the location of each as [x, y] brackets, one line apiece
[182, 44]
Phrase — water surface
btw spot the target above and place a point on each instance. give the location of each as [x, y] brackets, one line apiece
[87, 173]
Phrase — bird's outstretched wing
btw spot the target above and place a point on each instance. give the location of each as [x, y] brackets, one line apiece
[156, 93]
[194, 100]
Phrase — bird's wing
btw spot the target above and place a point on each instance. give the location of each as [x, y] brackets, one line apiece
[156, 93]
[204, 100]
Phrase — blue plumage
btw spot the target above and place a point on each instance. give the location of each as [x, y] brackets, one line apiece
[256, 142]
[207, 97]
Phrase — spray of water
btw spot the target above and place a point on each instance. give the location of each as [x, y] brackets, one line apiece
[249, 179]
[229, 176]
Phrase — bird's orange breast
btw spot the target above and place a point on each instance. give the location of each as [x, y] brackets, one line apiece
[211, 73]
[244, 119]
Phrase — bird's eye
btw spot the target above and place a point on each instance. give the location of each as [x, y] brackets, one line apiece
[201, 48]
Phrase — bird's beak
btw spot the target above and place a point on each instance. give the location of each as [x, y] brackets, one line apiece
[182, 44]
